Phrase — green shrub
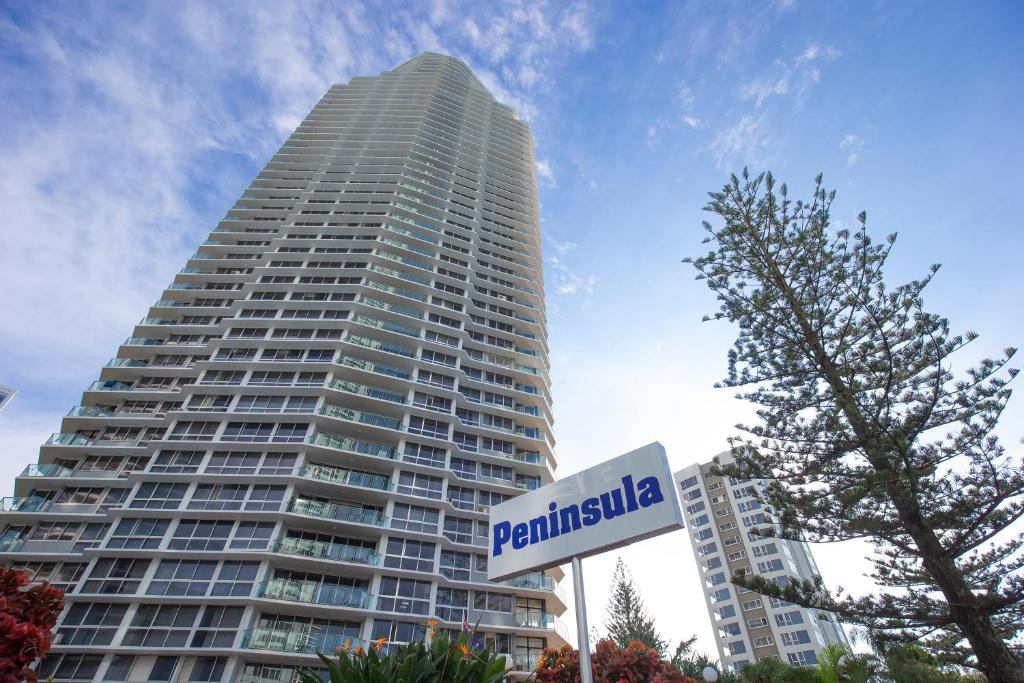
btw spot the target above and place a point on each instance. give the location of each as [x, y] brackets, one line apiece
[441, 660]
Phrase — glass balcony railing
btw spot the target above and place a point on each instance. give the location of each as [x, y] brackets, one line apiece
[361, 417]
[126, 363]
[315, 593]
[534, 619]
[141, 341]
[349, 477]
[344, 443]
[89, 411]
[338, 511]
[23, 504]
[400, 291]
[46, 470]
[378, 368]
[69, 439]
[109, 385]
[363, 390]
[309, 640]
[323, 550]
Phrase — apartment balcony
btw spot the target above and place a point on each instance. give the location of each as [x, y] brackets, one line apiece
[89, 412]
[46, 470]
[362, 417]
[24, 504]
[315, 593]
[340, 475]
[344, 443]
[309, 640]
[71, 439]
[385, 347]
[322, 550]
[336, 511]
[400, 291]
[363, 390]
[109, 385]
[369, 366]
[126, 363]
[141, 341]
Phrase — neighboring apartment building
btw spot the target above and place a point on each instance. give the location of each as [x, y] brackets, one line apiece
[720, 512]
[296, 449]
[6, 394]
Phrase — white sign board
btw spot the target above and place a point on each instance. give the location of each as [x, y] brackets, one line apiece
[620, 501]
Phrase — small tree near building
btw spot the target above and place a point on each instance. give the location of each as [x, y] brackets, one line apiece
[627, 620]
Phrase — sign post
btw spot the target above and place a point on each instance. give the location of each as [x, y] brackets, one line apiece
[621, 501]
[586, 672]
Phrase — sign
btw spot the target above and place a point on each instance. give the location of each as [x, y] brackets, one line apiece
[620, 501]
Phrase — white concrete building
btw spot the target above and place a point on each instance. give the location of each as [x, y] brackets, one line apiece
[297, 447]
[720, 512]
[6, 394]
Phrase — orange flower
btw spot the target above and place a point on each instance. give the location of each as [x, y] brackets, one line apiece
[379, 643]
[464, 648]
[348, 641]
[359, 650]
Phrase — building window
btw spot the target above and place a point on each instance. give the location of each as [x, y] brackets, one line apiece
[156, 496]
[419, 485]
[252, 535]
[752, 604]
[455, 565]
[452, 604]
[758, 622]
[410, 555]
[804, 658]
[91, 623]
[161, 626]
[218, 626]
[424, 455]
[404, 595]
[120, 576]
[398, 631]
[202, 535]
[182, 577]
[789, 618]
[791, 638]
[415, 518]
[70, 667]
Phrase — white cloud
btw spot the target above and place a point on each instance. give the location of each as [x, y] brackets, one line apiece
[691, 121]
[743, 143]
[852, 145]
[794, 78]
[545, 174]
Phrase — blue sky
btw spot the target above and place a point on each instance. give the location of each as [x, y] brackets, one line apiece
[128, 129]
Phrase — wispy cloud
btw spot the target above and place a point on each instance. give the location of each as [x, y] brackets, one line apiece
[795, 77]
[545, 174]
[746, 142]
[852, 145]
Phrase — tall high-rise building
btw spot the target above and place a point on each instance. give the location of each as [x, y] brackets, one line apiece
[720, 514]
[6, 394]
[296, 449]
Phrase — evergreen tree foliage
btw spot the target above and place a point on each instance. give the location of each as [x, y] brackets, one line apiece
[627, 619]
[864, 430]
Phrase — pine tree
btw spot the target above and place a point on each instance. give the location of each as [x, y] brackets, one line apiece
[864, 430]
[627, 615]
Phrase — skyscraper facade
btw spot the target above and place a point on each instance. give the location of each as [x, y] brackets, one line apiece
[296, 449]
[720, 514]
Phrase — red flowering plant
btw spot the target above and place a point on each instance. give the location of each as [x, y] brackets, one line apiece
[27, 617]
[635, 663]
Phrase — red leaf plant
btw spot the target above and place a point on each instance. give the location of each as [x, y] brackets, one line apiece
[635, 663]
[27, 617]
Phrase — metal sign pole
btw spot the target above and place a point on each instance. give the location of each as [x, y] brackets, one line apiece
[586, 673]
